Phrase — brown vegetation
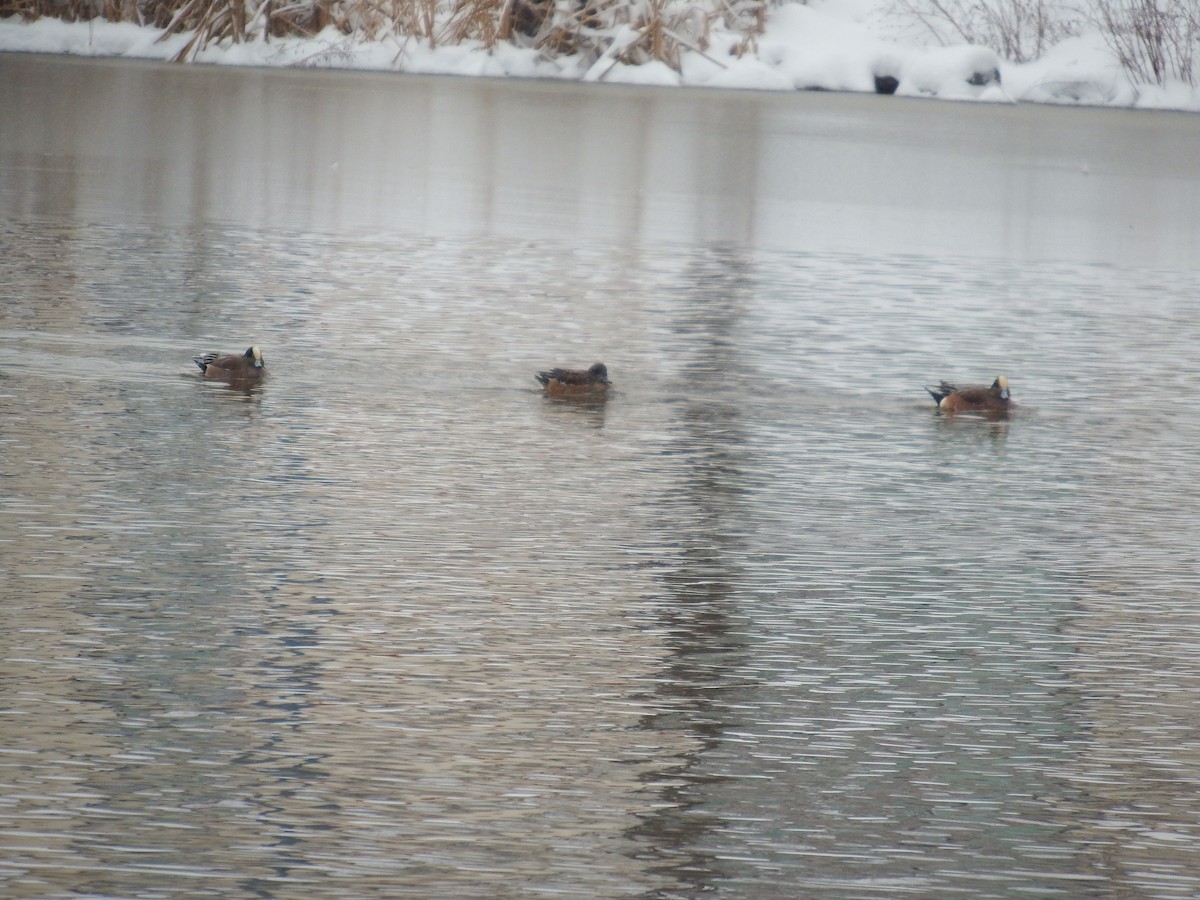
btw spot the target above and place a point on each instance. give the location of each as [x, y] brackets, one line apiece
[595, 29]
[1155, 40]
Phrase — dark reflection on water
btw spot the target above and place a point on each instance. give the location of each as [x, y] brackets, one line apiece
[759, 623]
[706, 656]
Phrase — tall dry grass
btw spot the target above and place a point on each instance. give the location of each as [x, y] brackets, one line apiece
[630, 31]
[1155, 40]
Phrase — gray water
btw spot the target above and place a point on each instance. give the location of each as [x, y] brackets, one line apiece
[762, 624]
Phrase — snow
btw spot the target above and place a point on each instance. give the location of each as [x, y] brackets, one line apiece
[839, 45]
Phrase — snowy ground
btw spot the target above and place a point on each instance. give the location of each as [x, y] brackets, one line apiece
[827, 44]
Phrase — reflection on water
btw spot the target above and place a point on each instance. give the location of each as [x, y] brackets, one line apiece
[760, 622]
[288, 150]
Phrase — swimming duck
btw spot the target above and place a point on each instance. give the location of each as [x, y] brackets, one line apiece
[994, 400]
[246, 366]
[575, 382]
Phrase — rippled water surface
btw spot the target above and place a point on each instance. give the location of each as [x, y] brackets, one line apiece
[760, 624]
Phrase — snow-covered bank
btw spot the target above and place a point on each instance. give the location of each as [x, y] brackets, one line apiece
[826, 45]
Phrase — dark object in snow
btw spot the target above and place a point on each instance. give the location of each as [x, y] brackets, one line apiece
[980, 78]
[992, 401]
[886, 84]
[575, 382]
[248, 366]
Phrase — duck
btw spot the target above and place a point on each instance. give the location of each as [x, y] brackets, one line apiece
[575, 382]
[994, 400]
[248, 366]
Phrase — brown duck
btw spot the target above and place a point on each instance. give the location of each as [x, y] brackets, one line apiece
[575, 382]
[994, 400]
[246, 366]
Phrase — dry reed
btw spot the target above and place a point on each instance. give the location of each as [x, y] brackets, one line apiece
[1155, 40]
[628, 31]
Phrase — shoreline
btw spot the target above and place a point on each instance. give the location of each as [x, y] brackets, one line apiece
[1077, 73]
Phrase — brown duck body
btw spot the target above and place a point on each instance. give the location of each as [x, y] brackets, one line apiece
[248, 366]
[993, 400]
[575, 382]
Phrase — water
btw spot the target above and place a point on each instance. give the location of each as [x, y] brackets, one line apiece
[762, 624]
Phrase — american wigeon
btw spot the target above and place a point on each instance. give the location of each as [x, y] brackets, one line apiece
[246, 366]
[994, 400]
[575, 382]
